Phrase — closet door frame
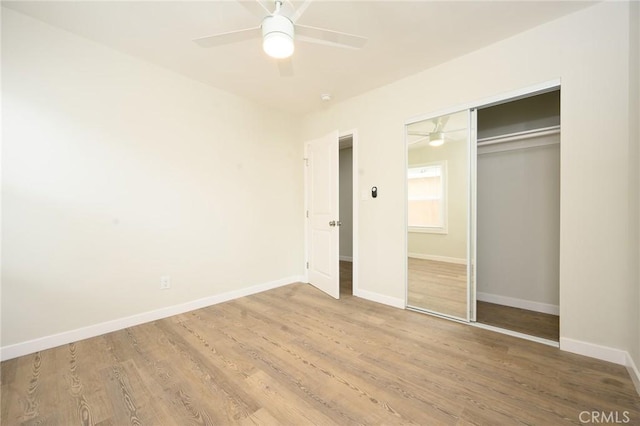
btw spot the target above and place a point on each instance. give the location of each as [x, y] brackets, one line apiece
[470, 150]
[473, 197]
[472, 107]
[516, 95]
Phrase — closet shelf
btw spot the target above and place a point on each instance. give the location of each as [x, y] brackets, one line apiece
[517, 136]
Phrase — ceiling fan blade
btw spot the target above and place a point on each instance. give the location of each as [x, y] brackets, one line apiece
[256, 8]
[300, 10]
[420, 139]
[228, 38]
[418, 133]
[328, 37]
[462, 129]
[285, 66]
[440, 122]
[287, 8]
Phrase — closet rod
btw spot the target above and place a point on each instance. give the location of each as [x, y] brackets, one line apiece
[512, 137]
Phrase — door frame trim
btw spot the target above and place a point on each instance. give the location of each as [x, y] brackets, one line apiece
[354, 206]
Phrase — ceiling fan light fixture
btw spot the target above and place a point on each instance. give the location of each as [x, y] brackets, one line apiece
[277, 36]
[436, 139]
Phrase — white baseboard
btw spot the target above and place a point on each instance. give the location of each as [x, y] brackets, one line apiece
[438, 258]
[48, 342]
[346, 258]
[605, 353]
[633, 372]
[379, 298]
[529, 305]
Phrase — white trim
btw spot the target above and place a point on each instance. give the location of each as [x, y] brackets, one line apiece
[48, 342]
[379, 298]
[437, 314]
[472, 238]
[545, 308]
[516, 334]
[355, 282]
[427, 230]
[457, 260]
[405, 220]
[305, 211]
[633, 372]
[592, 350]
[513, 95]
[346, 258]
[604, 353]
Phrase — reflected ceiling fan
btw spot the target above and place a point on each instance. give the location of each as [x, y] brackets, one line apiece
[435, 137]
[279, 29]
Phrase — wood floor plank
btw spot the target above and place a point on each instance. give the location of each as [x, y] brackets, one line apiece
[537, 324]
[284, 405]
[293, 355]
[437, 286]
[229, 396]
[262, 417]
[285, 367]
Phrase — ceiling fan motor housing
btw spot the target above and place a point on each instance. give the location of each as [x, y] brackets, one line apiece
[277, 36]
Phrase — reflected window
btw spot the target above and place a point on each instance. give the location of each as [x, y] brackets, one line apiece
[427, 198]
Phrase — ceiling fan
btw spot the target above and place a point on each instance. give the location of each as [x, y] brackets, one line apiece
[278, 30]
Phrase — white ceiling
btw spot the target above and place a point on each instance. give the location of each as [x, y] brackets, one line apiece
[405, 37]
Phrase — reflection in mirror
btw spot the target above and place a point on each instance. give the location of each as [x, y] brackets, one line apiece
[437, 214]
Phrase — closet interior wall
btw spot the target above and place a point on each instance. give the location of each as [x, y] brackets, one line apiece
[518, 203]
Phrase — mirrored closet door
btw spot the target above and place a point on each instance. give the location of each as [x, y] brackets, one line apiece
[438, 215]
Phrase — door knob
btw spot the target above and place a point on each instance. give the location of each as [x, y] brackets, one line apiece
[332, 223]
[338, 223]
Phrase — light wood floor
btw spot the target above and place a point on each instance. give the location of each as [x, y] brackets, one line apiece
[442, 287]
[520, 320]
[346, 278]
[437, 286]
[294, 356]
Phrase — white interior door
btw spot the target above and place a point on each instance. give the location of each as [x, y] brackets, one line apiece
[323, 225]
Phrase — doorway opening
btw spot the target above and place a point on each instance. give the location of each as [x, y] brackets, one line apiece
[346, 213]
[518, 215]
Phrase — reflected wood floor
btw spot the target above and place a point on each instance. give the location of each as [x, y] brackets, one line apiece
[294, 356]
[437, 286]
[521, 320]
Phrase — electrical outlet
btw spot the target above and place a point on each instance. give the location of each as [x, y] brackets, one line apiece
[165, 282]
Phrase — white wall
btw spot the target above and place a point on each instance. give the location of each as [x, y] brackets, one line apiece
[116, 172]
[346, 202]
[589, 52]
